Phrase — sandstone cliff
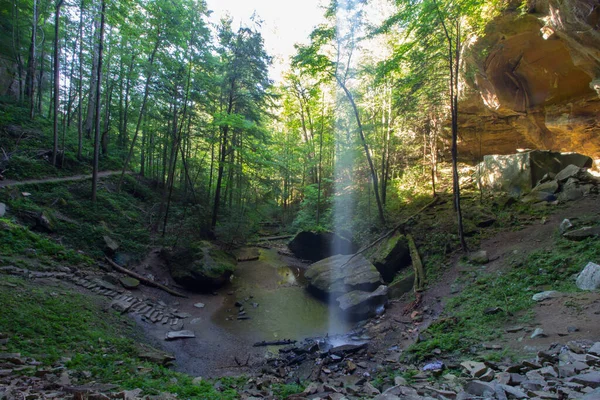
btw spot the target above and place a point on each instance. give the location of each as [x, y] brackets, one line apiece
[533, 81]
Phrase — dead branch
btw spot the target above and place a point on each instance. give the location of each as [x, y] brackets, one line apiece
[143, 279]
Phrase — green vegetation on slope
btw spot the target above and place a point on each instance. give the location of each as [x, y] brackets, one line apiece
[465, 322]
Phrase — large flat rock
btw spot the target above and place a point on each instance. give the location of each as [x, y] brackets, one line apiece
[340, 274]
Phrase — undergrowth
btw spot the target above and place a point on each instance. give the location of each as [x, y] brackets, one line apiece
[466, 323]
[57, 327]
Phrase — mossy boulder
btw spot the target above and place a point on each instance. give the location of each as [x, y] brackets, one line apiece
[359, 304]
[340, 274]
[315, 246]
[390, 256]
[202, 267]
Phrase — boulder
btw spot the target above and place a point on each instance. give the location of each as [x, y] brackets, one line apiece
[401, 286]
[340, 274]
[111, 245]
[360, 304]
[315, 246]
[202, 267]
[548, 187]
[571, 171]
[589, 278]
[390, 256]
[583, 233]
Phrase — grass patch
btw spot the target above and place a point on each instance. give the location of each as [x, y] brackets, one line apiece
[466, 324]
[81, 224]
[53, 324]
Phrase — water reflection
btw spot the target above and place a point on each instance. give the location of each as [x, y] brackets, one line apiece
[273, 297]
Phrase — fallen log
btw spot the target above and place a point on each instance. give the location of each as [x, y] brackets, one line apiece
[144, 280]
[274, 343]
[419, 284]
[271, 238]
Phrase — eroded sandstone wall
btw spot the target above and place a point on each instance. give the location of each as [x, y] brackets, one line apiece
[533, 81]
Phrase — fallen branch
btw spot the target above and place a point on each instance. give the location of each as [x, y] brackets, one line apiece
[419, 284]
[272, 238]
[142, 279]
[394, 229]
[274, 343]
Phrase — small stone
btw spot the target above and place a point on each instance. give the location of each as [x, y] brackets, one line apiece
[514, 392]
[589, 278]
[514, 329]
[199, 305]
[565, 225]
[595, 349]
[591, 379]
[197, 380]
[550, 294]
[400, 381]
[129, 282]
[180, 335]
[572, 329]
[474, 368]
[479, 257]
[538, 333]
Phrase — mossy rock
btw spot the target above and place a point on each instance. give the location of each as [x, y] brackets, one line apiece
[390, 256]
[202, 267]
[315, 246]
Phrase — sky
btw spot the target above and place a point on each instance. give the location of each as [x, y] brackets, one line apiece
[286, 22]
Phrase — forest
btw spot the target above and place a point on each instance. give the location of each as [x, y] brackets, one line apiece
[151, 86]
[405, 207]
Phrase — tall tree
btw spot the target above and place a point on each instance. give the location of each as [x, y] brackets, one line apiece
[97, 102]
[59, 4]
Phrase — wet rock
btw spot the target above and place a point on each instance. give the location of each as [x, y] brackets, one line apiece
[390, 256]
[315, 246]
[589, 278]
[338, 275]
[185, 334]
[583, 233]
[199, 305]
[202, 267]
[479, 257]
[129, 282]
[358, 303]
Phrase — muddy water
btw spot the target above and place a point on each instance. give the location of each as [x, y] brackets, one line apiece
[271, 290]
[284, 311]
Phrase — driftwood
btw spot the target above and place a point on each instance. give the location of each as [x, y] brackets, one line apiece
[143, 279]
[274, 343]
[394, 229]
[419, 284]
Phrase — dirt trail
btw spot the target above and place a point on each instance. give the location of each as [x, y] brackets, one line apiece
[102, 174]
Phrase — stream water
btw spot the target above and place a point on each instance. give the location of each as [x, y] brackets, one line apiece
[271, 290]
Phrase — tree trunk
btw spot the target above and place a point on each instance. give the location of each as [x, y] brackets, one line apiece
[97, 102]
[89, 118]
[142, 111]
[56, 80]
[366, 148]
[30, 82]
[80, 86]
